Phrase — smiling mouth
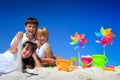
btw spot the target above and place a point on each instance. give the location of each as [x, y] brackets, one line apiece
[30, 31]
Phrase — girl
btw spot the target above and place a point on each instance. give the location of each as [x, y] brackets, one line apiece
[43, 48]
[8, 58]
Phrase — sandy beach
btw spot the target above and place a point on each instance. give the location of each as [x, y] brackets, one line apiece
[80, 73]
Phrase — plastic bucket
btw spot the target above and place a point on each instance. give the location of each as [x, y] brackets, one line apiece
[73, 60]
[86, 61]
[99, 60]
[63, 65]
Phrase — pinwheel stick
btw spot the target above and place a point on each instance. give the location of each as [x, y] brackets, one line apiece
[104, 50]
[79, 56]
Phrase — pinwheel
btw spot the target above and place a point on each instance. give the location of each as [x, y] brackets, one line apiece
[78, 40]
[104, 37]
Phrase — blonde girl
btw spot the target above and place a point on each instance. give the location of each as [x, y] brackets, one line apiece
[43, 48]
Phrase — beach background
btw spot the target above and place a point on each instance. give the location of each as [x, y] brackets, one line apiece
[93, 73]
[63, 18]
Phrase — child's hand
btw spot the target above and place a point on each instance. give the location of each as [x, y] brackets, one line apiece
[37, 43]
[52, 62]
[19, 35]
[36, 60]
[34, 56]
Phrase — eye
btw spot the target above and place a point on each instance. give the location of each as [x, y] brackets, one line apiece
[33, 27]
[29, 26]
[36, 38]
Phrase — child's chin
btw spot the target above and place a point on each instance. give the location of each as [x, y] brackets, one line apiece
[42, 43]
[31, 33]
[24, 57]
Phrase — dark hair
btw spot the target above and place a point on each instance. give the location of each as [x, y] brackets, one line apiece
[31, 20]
[30, 46]
[29, 62]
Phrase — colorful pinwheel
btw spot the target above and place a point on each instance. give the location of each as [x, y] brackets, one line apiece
[104, 36]
[78, 40]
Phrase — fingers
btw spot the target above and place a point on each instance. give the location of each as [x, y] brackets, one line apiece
[19, 35]
[37, 43]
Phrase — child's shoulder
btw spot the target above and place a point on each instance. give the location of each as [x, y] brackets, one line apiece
[47, 45]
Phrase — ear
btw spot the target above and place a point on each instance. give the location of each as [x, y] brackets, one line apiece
[25, 27]
[46, 38]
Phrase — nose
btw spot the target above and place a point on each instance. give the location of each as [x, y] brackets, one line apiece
[31, 28]
[42, 37]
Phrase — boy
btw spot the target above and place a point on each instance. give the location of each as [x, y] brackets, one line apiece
[31, 25]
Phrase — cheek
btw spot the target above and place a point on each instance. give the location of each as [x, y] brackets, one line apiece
[29, 54]
[26, 55]
[34, 29]
[26, 28]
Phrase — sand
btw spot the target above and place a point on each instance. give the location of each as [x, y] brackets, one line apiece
[42, 73]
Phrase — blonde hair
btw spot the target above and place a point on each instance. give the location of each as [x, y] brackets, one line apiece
[42, 31]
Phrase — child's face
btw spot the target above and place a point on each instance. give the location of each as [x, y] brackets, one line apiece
[41, 39]
[30, 29]
[26, 53]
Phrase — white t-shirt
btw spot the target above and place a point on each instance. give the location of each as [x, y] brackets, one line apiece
[40, 52]
[7, 62]
[24, 39]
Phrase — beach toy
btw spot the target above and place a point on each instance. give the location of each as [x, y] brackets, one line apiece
[109, 68]
[86, 61]
[104, 36]
[73, 60]
[118, 67]
[50, 67]
[99, 60]
[63, 64]
[59, 57]
[78, 40]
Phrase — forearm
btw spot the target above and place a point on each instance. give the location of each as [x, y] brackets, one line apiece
[45, 59]
[36, 60]
[49, 61]
[13, 48]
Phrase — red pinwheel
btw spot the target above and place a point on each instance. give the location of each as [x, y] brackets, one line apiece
[104, 36]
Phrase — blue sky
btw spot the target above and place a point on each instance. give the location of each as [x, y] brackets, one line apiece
[63, 18]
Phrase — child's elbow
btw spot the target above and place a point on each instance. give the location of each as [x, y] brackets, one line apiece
[13, 50]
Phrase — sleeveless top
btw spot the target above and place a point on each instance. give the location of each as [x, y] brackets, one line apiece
[40, 52]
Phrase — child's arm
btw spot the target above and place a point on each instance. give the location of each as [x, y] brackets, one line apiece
[36, 60]
[49, 61]
[48, 53]
[13, 49]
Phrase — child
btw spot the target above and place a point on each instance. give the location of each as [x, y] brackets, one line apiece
[8, 58]
[43, 48]
[29, 60]
[30, 27]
